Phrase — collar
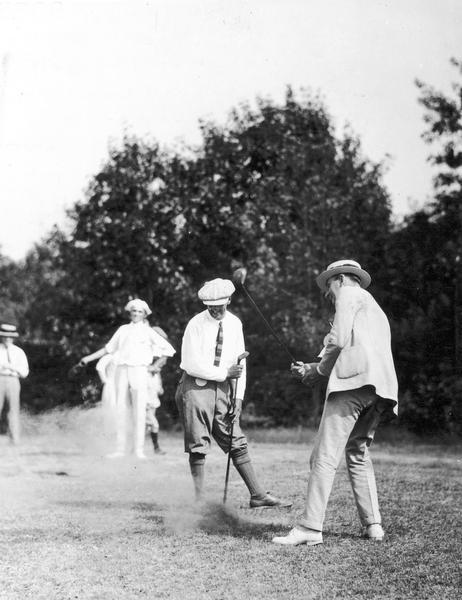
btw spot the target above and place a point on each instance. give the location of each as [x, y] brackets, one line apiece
[139, 324]
[209, 317]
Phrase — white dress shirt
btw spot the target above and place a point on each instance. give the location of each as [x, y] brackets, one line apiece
[13, 361]
[136, 344]
[199, 343]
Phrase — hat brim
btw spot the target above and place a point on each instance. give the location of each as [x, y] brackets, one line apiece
[11, 334]
[364, 277]
[219, 302]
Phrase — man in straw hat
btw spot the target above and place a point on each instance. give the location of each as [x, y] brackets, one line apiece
[357, 364]
[212, 343]
[13, 367]
[134, 346]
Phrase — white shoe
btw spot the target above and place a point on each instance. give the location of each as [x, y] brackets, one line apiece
[298, 536]
[140, 455]
[375, 532]
[115, 455]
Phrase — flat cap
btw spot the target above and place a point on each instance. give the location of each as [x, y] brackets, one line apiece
[216, 292]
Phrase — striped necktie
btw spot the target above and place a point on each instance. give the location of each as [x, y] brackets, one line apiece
[219, 345]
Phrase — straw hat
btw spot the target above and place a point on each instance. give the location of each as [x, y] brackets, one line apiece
[7, 330]
[347, 266]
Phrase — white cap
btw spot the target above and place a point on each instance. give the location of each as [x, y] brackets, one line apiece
[138, 304]
[216, 292]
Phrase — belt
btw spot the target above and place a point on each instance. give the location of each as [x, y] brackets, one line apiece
[198, 380]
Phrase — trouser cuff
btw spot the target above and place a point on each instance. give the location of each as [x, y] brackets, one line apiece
[310, 524]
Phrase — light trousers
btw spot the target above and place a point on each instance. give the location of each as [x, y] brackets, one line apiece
[108, 405]
[131, 385]
[9, 393]
[347, 425]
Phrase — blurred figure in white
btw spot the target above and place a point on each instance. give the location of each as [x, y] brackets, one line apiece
[155, 390]
[136, 344]
[106, 369]
[13, 367]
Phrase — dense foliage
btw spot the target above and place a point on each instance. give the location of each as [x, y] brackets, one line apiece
[276, 190]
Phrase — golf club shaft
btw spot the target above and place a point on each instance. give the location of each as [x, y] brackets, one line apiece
[228, 464]
[233, 405]
[277, 338]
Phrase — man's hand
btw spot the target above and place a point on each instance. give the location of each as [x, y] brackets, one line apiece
[235, 371]
[235, 411]
[297, 369]
[157, 365]
[307, 373]
[312, 376]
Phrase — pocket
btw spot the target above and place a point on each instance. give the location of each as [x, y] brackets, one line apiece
[352, 361]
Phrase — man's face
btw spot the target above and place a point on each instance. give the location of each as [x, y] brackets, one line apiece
[333, 286]
[6, 341]
[136, 315]
[217, 312]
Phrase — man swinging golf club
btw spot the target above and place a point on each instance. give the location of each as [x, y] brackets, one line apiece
[212, 343]
[357, 364]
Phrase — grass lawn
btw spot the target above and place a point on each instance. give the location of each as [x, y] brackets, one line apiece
[76, 525]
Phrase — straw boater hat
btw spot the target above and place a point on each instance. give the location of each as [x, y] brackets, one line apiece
[7, 330]
[347, 266]
[216, 292]
[138, 304]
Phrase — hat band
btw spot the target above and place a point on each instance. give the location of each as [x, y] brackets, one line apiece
[343, 265]
[215, 299]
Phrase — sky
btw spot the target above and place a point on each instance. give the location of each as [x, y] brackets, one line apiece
[76, 75]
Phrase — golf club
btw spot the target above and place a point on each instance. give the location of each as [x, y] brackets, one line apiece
[239, 276]
[233, 406]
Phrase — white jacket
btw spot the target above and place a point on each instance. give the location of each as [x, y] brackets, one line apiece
[359, 319]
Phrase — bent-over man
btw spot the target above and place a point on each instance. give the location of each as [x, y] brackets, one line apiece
[358, 364]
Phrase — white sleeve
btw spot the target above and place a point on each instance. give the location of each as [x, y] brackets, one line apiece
[22, 366]
[113, 345]
[160, 346]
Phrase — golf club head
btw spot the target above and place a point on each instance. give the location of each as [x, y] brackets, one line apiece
[239, 275]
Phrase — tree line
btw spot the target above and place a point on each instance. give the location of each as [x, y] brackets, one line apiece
[274, 189]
